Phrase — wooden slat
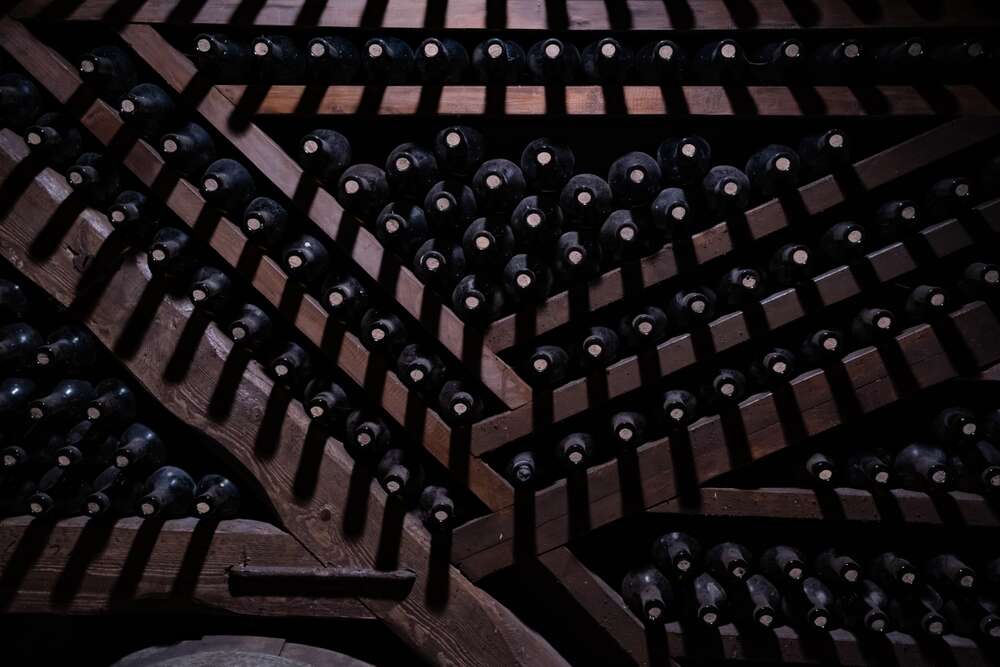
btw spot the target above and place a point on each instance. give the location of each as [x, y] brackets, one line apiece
[78, 566]
[667, 466]
[764, 220]
[840, 504]
[727, 331]
[258, 148]
[579, 586]
[266, 276]
[336, 511]
[829, 101]
[530, 14]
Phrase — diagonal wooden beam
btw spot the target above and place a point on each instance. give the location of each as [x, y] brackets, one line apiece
[322, 209]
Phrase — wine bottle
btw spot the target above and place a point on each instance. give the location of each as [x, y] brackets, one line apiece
[728, 560]
[764, 600]
[721, 62]
[477, 297]
[634, 179]
[367, 435]
[37, 449]
[438, 508]
[60, 492]
[554, 62]
[585, 200]
[676, 554]
[917, 615]
[345, 298]
[140, 448]
[576, 257]
[457, 400]
[669, 211]
[922, 468]
[439, 262]
[822, 469]
[873, 325]
[211, 290]
[774, 368]
[53, 135]
[644, 327]
[498, 185]
[894, 573]
[114, 403]
[866, 610]
[14, 395]
[811, 604]
[740, 286]
[838, 61]
[226, 184]
[449, 207]
[420, 369]
[459, 150]
[822, 154]
[960, 59]
[498, 61]
[20, 102]
[133, 215]
[292, 366]
[948, 197]
[325, 154]
[95, 177]
[168, 493]
[526, 279]
[402, 227]
[536, 222]
[221, 57]
[329, 403]
[387, 60]
[660, 62]
[897, 218]
[901, 59]
[868, 470]
[217, 497]
[189, 149]
[306, 259]
[836, 568]
[488, 242]
[109, 69]
[14, 302]
[972, 616]
[399, 474]
[684, 161]
[955, 425]
[363, 190]
[18, 342]
[823, 346]
[265, 221]
[691, 308]
[726, 189]
[648, 594]
[251, 329]
[441, 61]
[783, 564]
[607, 61]
[67, 349]
[980, 461]
[575, 451]
[411, 170]
[382, 330]
[86, 443]
[980, 280]
[946, 572]
[621, 236]
[598, 349]
[926, 303]
[148, 108]
[679, 408]
[114, 493]
[790, 264]
[629, 428]
[276, 59]
[522, 470]
[333, 59]
[773, 169]
[779, 61]
[547, 164]
[548, 366]
[710, 601]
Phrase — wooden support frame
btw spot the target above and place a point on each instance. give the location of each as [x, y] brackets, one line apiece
[323, 210]
[265, 275]
[659, 471]
[458, 100]
[528, 14]
[730, 330]
[330, 505]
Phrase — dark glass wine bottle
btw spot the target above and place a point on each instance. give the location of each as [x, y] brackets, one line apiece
[955, 425]
[402, 227]
[449, 206]
[812, 605]
[363, 190]
[948, 573]
[522, 470]
[901, 60]
[726, 189]
[774, 368]
[839, 61]
[721, 62]
[554, 62]
[420, 369]
[536, 222]
[477, 297]
[791, 264]
[676, 554]
[86, 443]
[459, 150]
[821, 469]
[54, 136]
[684, 161]
[399, 474]
[648, 594]
[948, 197]
[217, 497]
[728, 561]
[488, 243]
[577, 257]
[585, 200]
[168, 493]
[866, 610]
[188, 149]
[679, 408]
[662, 61]
[18, 342]
[277, 59]
[382, 330]
[923, 467]
[547, 164]
[134, 215]
[148, 108]
[980, 280]
[109, 69]
[411, 170]
[499, 61]
[526, 279]
[783, 564]
[458, 401]
[306, 259]
[710, 602]
[607, 61]
[211, 290]
[917, 614]
[575, 451]
[60, 492]
[114, 493]
[345, 298]
[598, 349]
[251, 329]
[226, 184]
[325, 154]
[644, 327]
[691, 308]
[498, 185]
[68, 349]
[894, 573]
[437, 508]
[36, 449]
[222, 57]
[634, 179]
[95, 177]
[114, 403]
[868, 470]
[629, 428]
[20, 102]
[14, 301]
[548, 366]
[821, 154]
[140, 448]
[621, 237]
[292, 366]
[367, 436]
[671, 213]
[741, 286]
[333, 59]
[387, 60]
[265, 221]
[926, 303]
[779, 61]
[329, 403]
[837, 568]
[439, 262]
[14, 395]
[873, 325]
[763, 601]
[823, 346]
[441, 61]
[897, 218]
[773, 169]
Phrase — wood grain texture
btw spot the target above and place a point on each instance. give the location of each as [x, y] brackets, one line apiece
[761, 221]
[322, 209]
[454, 100]
[81, 566]
[533, 14]
[489, 543]
[728, 331]
[335, 510]
[265, 275]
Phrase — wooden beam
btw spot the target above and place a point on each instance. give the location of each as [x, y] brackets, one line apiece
[319, 582]
[581, 587]
[453, 100]
[90, 566]
[332, 507]
[840, 504]
[726, 332]
[764, 220]
[528, 14]
[666, 468]
[366, 251]
[265, 275]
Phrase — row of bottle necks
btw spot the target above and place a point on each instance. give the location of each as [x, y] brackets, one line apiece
[725, 583]
[608, 60]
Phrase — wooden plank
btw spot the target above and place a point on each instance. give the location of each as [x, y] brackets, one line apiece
[581, 587]
[320, 582]
[366, 251]
[726, 332]
[768, 218]
[81, 566]
[529, 14]
[266, 276]
[487, 544]
[333, 508]
[453, 100]
[841, 504]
